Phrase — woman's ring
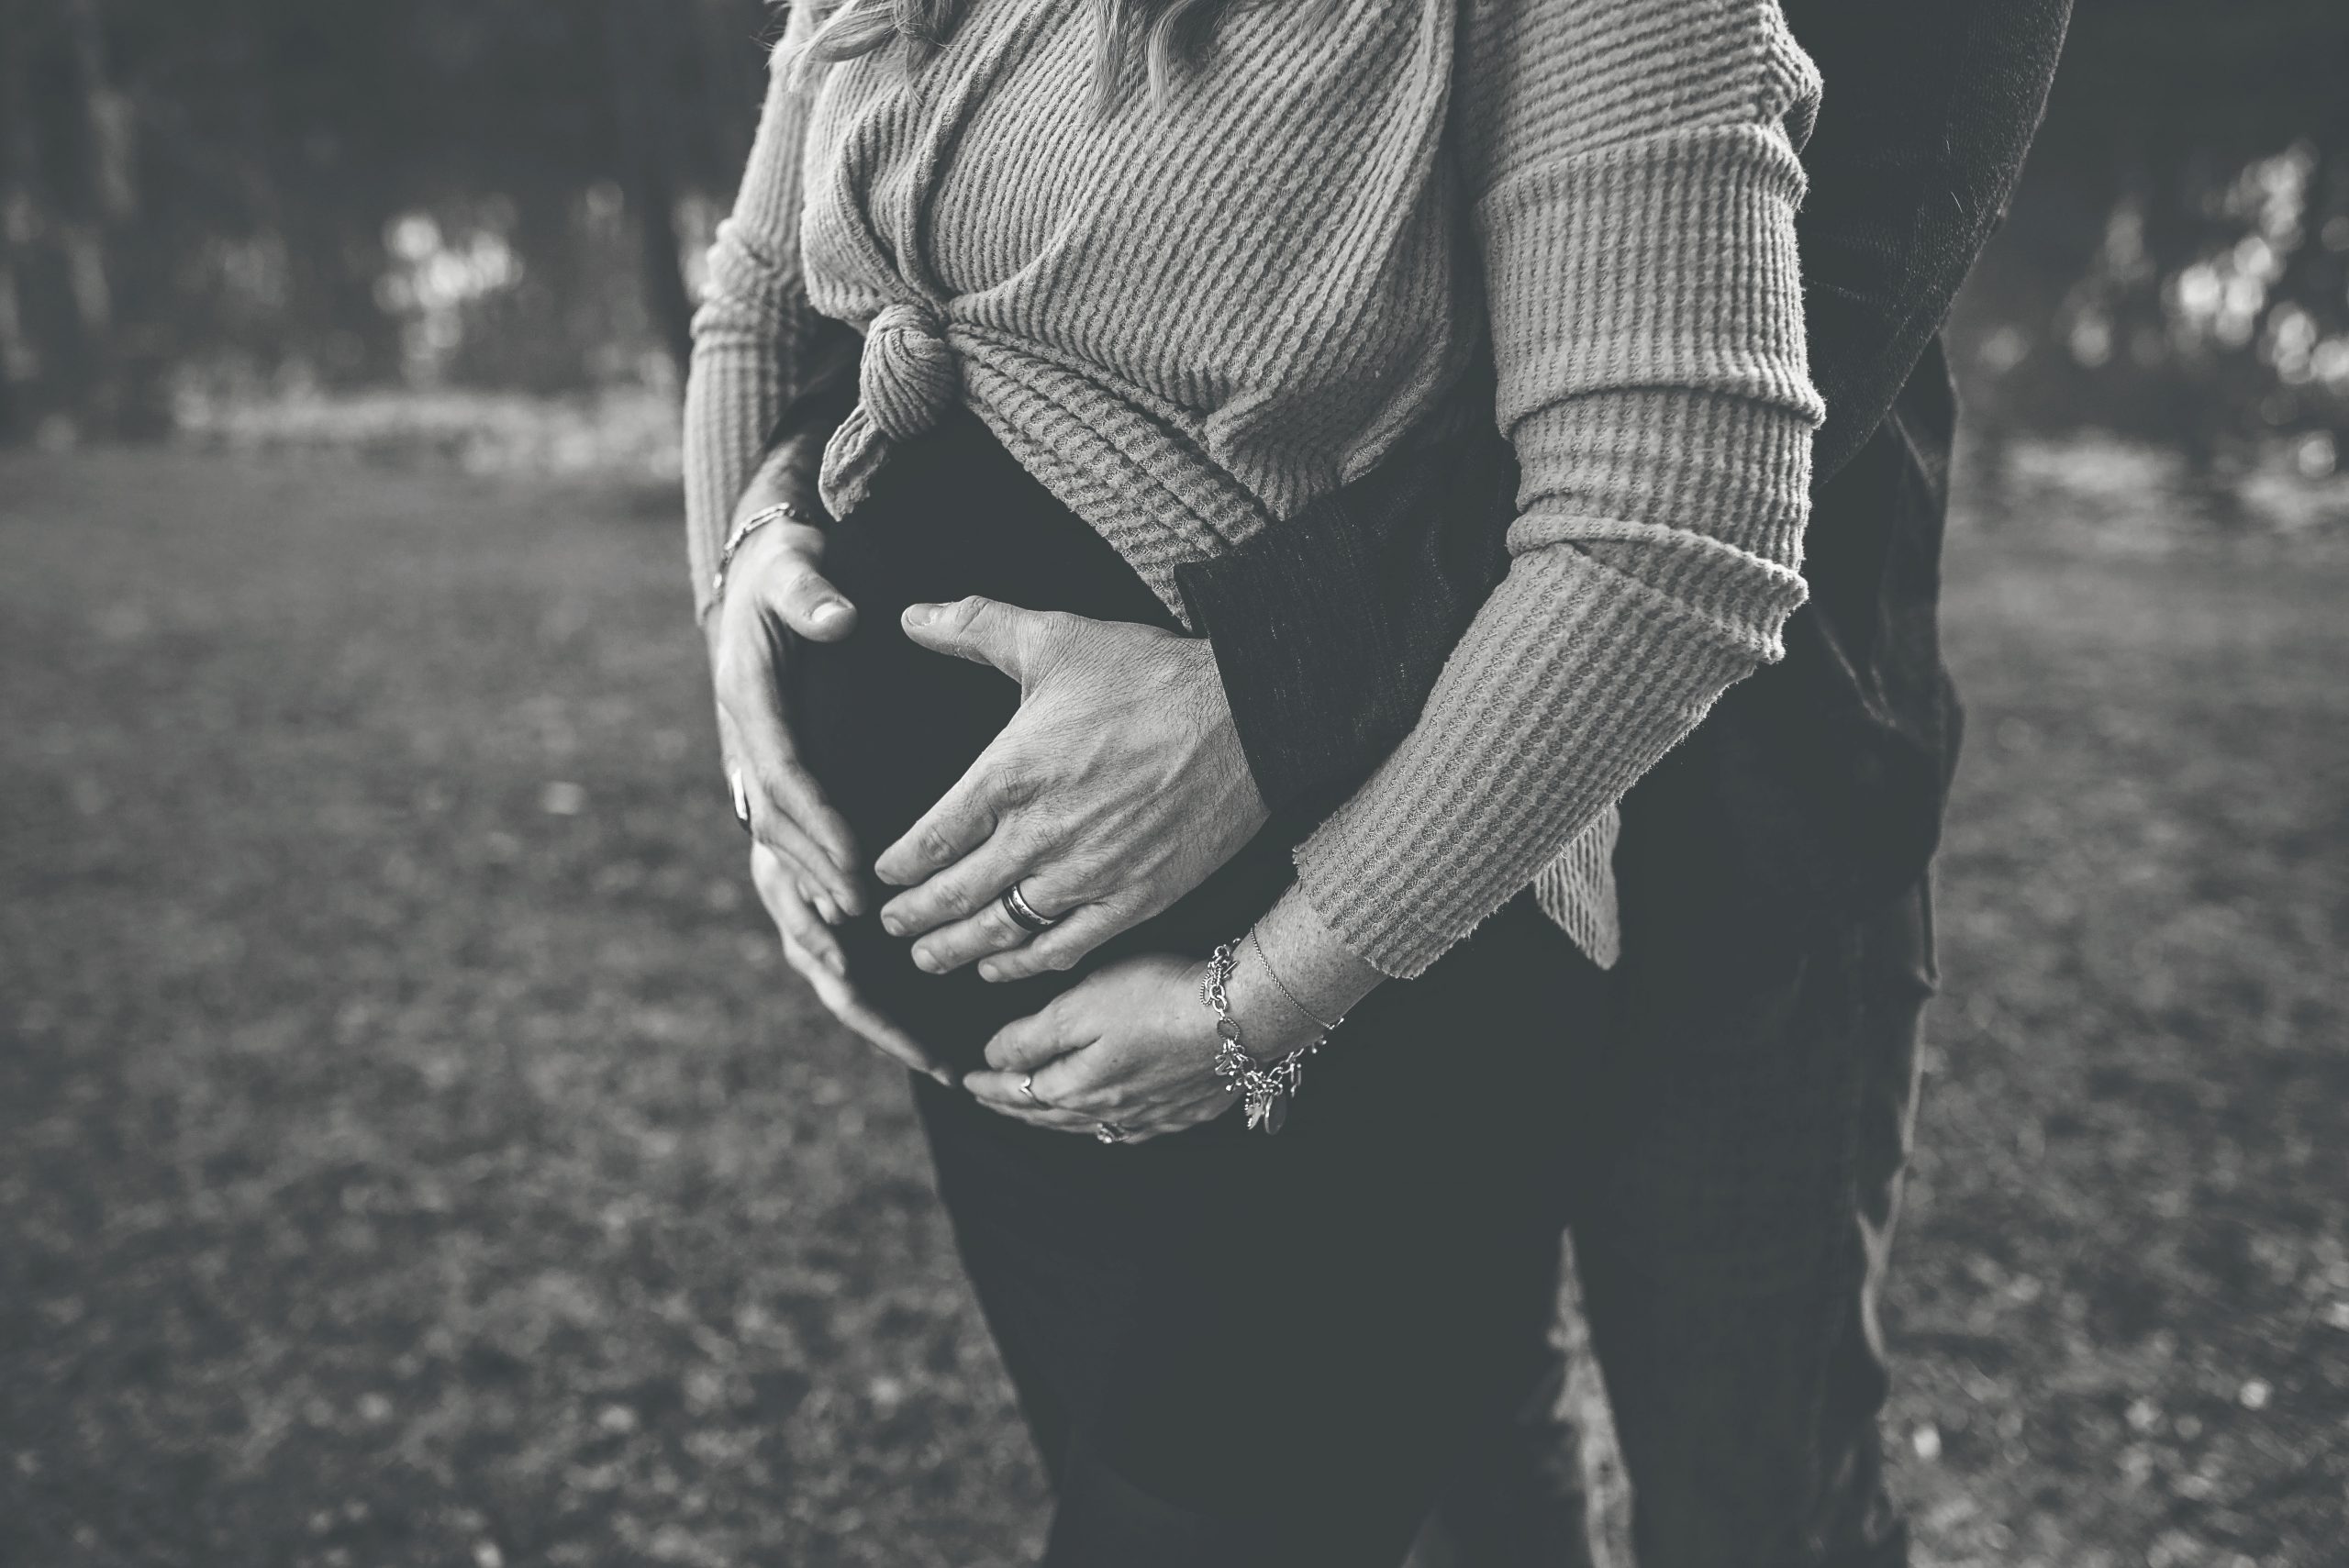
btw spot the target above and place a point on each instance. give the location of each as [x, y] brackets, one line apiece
[1109, 1132]
[1028, 1087]
[1023, 914]
[741, 797]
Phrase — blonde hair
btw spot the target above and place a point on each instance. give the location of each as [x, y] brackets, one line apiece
[1167, 32]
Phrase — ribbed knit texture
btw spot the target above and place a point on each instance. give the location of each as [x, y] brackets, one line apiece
[1189, 320]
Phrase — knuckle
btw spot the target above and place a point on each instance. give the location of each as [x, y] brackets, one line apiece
[791, 576]
[933, 843]
[1015, 779]
[780, 799]
[789, 780]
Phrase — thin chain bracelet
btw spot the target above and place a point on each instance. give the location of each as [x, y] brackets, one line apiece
[734, 541]
[1311, 1017]
[1268, 1090]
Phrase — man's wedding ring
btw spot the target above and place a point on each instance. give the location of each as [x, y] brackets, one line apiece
[1028, 1087]
[1023, 914]
[1109, 1132]
[741, 797]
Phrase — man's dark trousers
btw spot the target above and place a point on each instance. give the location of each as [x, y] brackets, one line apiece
[1759, 1082]
[1774, 869]
[1733, 1245]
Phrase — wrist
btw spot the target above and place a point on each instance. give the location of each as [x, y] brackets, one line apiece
[1271, 1022]
[1301, 972]
[753, 549]
[1215, 702]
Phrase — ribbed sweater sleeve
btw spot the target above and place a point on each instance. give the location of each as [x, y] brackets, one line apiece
[1632, 166]
[753, 326]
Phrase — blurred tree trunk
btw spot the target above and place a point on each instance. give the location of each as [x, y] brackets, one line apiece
[637, 43]
[731, 65]
[110, 288]
[20, 358]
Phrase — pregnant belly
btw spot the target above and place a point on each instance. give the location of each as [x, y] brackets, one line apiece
[887, 726]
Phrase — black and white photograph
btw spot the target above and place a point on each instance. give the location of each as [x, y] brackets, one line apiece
[1174, 783]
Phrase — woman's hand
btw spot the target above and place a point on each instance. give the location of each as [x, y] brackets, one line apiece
[1118, 787]
[773, 592]
[1131, 1044]
[814, 954]
[1135, 1043]
[804, 860]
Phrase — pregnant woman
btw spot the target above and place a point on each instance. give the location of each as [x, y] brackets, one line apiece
[1261, 1200]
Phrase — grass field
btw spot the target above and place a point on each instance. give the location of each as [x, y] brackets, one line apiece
[412, 1150]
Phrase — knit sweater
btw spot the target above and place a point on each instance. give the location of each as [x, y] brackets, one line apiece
[1190, 320]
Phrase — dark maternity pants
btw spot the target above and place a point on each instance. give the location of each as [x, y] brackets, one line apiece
[1231, 1350]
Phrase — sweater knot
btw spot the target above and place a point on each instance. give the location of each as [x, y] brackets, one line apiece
[908, 378]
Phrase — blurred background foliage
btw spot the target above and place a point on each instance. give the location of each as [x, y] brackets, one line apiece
[263, 199]
[248, 195]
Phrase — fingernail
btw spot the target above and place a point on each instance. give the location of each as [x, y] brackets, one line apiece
[829, 612]
[926, 964]
[945, 1077]
[921, 615]
[990, 971]
[894, 925]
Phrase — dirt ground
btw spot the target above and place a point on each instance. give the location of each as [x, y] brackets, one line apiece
[412, 1150]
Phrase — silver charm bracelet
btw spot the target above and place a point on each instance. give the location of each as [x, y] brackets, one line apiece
[1267, 1090]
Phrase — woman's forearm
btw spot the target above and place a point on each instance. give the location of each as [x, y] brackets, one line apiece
[1317, 978]
[1576, 677]
[750, 331]
[1634, 206]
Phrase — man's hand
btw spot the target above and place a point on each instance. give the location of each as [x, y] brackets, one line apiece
[1118, 787]
[773, 592]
